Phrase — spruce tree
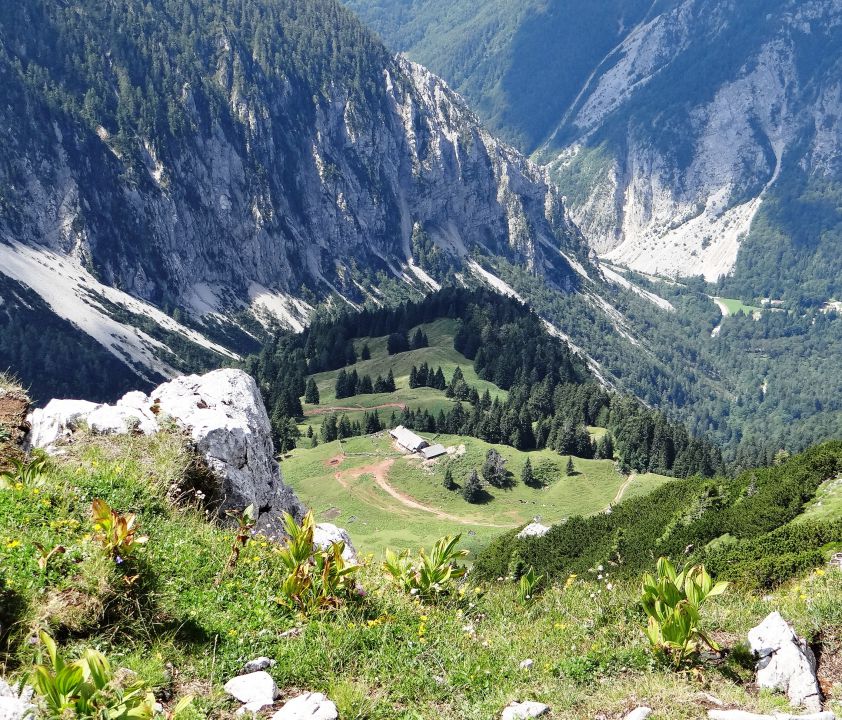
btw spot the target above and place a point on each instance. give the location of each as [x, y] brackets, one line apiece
[472, 489]
[570, 469]
[527, 477]
[390, 381]
[311, 394]
[365, 354]
[449, 483]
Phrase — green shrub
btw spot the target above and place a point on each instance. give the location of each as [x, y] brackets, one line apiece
[528, 585]
[672, 602]
[115, 532]
[87, 688]
[431, 574]
[315, 579]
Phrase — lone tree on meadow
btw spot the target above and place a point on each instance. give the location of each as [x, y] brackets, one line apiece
[365, 354]
[570, 469]
[449, 483]
[494, 469]
[527, 476]
[472, 489]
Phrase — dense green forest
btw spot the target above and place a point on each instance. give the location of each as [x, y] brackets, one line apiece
[552, 396]
[747, 514]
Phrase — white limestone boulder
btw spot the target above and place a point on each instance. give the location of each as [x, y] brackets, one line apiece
[524, 710]
[308, 706]
[785, 662]
[57, 421]
[533, 530]
[327, 534]
[223, 414]
[16, 703]
[639, 713]
[255, 690]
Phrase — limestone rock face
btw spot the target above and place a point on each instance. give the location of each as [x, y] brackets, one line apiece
[224, 416]
[785, 662]
[57, 420]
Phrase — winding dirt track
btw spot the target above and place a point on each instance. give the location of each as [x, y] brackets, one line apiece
[379, 471]
[622, 491]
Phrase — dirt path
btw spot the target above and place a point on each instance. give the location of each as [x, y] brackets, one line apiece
[379, 471]
[622, 491]
[725, 313]
[354, 408]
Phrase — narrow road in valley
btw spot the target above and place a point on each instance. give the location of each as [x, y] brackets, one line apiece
[354, 408]
[379, 471]
[622, 491]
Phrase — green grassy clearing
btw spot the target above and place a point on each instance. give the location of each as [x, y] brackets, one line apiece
[827, 505]
[379, 520]
[386, 657]
[439, 353]
[737, 306]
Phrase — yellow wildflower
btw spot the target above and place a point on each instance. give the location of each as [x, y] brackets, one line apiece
[13, 544]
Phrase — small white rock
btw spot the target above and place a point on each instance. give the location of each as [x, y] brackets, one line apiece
[527, 664]
[256, 690]
[327, 534]
[308, 706]
[639, 713]
[259, 663]
[524, 710]
[16, 703]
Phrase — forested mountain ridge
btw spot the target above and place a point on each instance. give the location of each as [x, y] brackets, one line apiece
[218, 160]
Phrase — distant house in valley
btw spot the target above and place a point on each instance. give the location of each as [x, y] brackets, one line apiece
[433, 451]
[408, 440]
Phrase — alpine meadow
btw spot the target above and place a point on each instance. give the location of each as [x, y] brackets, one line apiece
[412, 360]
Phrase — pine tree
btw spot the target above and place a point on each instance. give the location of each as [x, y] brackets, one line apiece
[365, 387]
[365, 354]
[413, 377]
[527, 477]
[494, 469]
[570, 469]
[605, 448]
[311, 394]
[344, 429]
[449, 483]
[390, 382]
[329, 429]
[472, 489]
[342, 385]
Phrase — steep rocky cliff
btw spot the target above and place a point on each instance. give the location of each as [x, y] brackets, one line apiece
[214, 163]
[692, 122]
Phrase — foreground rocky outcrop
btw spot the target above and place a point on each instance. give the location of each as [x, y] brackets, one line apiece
[785, 662]
[224, 416]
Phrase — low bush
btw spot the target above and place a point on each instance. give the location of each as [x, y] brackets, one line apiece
[672, 602]
[431, 574]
